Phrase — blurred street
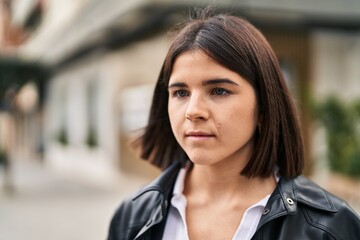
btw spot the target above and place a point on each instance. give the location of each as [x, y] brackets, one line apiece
[46, 205]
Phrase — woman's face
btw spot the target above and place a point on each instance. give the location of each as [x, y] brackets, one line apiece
[212, 110]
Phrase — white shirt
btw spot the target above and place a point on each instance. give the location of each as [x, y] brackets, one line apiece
[176, 229]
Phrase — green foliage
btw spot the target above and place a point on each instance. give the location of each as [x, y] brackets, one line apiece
[342, 123]
[91, 139]
[3, 157]
[63, 137]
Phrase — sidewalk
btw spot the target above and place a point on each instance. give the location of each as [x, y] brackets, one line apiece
[48, 206]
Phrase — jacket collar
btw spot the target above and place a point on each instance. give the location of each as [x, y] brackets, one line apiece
[302, 190]
[289, 193]
[163, 183]
[283, 201]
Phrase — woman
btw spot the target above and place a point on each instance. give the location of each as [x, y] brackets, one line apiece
[224, 128]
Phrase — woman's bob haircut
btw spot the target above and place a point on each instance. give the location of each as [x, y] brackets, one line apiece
[237, 45]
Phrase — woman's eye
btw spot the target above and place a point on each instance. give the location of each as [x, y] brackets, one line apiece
[219, 91]
[181, 93]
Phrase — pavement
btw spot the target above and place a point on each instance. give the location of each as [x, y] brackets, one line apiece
[47, 205]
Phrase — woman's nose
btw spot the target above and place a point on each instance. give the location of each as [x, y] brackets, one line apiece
[197, 109]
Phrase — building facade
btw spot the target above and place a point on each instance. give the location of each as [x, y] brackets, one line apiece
[105, 57]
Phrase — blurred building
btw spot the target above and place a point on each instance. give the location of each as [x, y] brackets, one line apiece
[105, 56]
[21, 82]
[11, 34]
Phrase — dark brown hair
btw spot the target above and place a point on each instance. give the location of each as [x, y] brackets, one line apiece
[237, 45]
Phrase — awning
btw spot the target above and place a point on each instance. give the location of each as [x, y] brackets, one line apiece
[14, 73]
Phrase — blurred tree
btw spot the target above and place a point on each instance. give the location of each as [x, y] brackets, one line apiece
[342, 124]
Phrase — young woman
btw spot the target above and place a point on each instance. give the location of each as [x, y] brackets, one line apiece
[224, 128]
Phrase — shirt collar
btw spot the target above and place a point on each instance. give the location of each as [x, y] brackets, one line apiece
[180, 182]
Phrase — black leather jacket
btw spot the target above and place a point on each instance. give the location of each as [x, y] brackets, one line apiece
[297, 209]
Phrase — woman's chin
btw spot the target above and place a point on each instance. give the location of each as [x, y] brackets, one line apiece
[202, 160]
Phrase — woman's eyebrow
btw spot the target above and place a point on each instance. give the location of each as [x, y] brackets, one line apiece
[177, 84]
[205, 83]
[219, 81]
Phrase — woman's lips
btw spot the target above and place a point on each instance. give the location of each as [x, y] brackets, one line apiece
[198, 135]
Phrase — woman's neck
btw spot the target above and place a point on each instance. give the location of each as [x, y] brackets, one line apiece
[216, 183]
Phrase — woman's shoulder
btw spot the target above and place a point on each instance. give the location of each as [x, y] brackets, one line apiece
[136, 211]
[311, 194]
[133, 214]
[309, 211]
[325, 210]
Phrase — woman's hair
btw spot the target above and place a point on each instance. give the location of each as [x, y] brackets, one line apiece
[237, 45]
